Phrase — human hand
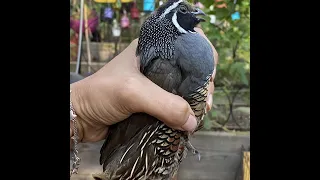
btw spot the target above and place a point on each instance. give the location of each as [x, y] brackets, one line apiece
[119, 89]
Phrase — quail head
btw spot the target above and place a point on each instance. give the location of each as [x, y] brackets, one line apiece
[176, 58]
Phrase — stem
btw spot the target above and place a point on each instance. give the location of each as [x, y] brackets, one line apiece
[236, 47]
[87, 36]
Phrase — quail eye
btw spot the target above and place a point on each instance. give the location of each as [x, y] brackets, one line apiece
[183, 9]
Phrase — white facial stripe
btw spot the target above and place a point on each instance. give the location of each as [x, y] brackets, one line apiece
[174, 5]
[176, 24]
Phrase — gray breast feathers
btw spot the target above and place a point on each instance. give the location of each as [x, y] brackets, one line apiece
[194, 54]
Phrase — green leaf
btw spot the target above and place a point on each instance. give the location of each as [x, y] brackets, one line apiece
[245, 3]
[221, 13]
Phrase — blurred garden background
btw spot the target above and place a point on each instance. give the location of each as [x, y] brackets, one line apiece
[224, 142]
[110, 25]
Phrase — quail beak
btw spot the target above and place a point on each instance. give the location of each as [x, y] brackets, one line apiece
[199, 12]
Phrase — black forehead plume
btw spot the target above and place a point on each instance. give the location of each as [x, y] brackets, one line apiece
[165, 5]
[168, 3]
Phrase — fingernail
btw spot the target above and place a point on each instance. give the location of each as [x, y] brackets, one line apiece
[191, 124]
[209, 101]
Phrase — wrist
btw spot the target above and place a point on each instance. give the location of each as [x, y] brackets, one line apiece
[77, 104]
[74, 133]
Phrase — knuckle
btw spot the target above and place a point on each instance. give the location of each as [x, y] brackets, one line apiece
[180, 112]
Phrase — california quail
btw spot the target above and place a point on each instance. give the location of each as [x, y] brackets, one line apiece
[175, 57]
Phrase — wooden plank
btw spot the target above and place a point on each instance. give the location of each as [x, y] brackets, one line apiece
[221, 155]
[221, 141]
[246, 165]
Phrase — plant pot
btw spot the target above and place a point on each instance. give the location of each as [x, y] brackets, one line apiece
[92, 24]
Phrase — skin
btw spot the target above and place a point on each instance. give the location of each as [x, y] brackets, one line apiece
[119, 89]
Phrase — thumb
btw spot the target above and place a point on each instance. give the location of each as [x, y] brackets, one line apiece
[173, 110]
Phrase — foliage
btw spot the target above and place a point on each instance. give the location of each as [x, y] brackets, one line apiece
[231, 39]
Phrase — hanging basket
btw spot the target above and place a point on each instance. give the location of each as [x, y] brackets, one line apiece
[149, 5]
[92, 24]
[125, 22]
[116, 29]
[93, 21]
[134, 11]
